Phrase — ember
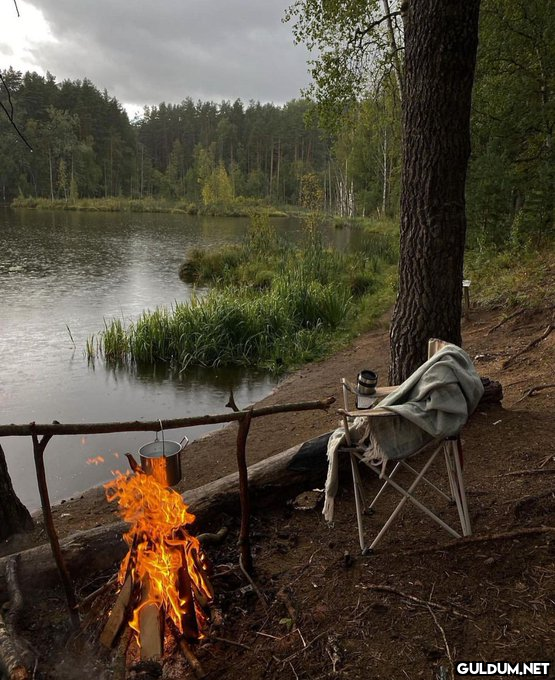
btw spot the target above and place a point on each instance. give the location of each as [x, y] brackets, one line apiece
[164, 576]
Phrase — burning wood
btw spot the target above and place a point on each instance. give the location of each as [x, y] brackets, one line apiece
[164, 576]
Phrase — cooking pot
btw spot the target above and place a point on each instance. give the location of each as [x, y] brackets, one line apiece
[161, 459]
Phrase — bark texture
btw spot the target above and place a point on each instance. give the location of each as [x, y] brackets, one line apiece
[14, 516]
[441, 38]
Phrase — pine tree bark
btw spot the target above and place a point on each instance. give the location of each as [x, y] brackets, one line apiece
[14, 516]
[441, 38]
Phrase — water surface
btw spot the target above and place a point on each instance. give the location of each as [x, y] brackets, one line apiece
[73, 270]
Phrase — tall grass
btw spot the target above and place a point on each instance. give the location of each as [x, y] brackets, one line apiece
[282, 326]
[271, 304]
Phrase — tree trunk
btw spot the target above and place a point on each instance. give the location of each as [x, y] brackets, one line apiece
[14, 516]
[441, 38]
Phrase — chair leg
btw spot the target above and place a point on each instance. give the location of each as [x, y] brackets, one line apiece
[406, 493]
[384, 485]
[359, 500]
[458, 467]
[427, 481]
[456, 481]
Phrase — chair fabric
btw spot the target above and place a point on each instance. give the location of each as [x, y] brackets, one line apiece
[431, 405]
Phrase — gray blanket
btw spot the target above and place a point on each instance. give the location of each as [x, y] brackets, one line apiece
[434, 402]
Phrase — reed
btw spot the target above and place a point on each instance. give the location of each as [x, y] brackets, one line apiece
[284, 325]
[271, 305]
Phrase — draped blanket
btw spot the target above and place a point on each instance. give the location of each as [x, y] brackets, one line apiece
[434, 402]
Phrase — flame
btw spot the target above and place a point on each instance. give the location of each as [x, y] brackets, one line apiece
[97, 460]
[163, 557]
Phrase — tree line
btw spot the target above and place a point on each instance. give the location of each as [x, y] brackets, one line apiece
[85, 146]
[349, 144]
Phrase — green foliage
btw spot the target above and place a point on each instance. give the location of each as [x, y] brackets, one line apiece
[511, 187]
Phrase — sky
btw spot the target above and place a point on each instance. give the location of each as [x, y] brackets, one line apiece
[146, 52]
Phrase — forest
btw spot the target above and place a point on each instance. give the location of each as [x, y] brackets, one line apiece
[202, 154]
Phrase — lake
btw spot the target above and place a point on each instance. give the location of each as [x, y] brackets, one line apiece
[61, 270]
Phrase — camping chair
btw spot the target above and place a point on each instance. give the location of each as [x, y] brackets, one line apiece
[450, 447]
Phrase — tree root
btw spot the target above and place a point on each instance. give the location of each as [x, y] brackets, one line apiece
[506, 319]
[529, 346]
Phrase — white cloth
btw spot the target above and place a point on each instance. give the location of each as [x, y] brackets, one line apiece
[434, 402]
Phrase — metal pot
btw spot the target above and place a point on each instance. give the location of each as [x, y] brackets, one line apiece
[162, 460]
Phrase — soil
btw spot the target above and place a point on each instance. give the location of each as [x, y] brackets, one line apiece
[422, 602]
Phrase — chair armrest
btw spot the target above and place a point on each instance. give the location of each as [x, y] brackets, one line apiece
[385, 390]
[368, 413]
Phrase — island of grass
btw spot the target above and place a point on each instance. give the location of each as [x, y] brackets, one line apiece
[265, 304]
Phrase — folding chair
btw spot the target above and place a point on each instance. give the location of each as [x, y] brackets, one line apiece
[452, 454]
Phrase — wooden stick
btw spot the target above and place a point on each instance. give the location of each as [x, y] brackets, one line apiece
[117, 615]
[244, 535]
[469, 540]
[120, 662]
[445, 643]
[96, 593]
[533, 471]
[187, 652]
[507, 318]
[533, 391]
[417, 600]
[529, 346]
[154, 425]
[67, 583]
[192, 660]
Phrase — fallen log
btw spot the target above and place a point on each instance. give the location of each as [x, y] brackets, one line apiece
[98, 549]
[13, 653]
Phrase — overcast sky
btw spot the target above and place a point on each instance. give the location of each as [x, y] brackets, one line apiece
[149, 51]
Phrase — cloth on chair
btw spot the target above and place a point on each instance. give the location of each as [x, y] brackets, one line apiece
[434, 402]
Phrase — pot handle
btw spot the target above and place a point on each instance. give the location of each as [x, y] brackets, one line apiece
[137, 469]
[185, 439]
[162, 431]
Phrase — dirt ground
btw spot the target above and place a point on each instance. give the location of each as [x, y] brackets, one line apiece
[421, 603]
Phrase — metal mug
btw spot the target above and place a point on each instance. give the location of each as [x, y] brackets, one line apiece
[366, 382]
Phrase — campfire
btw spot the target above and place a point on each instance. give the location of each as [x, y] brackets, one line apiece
[164, 586]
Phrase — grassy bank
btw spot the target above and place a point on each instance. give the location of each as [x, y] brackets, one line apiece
[270, 304]
[516, 277]
[238, 207]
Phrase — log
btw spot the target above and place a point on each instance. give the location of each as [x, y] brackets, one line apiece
[98, 549]
[10, 657]
[150, 625]
[117, 615]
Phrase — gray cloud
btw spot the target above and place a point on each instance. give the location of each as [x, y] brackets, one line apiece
[145, 52]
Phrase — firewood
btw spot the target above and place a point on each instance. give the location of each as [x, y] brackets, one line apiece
[192, 660]
[120, 661]
[117, 615]
[151, 633]
[189, 617]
